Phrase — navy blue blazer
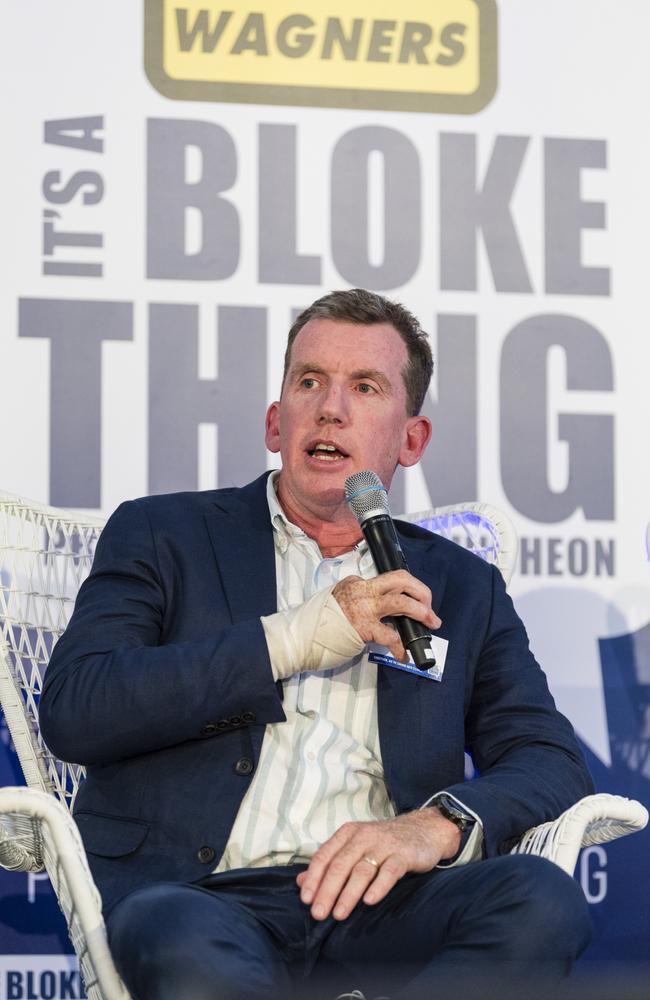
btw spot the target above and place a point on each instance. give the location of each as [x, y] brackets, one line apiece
[162, 686]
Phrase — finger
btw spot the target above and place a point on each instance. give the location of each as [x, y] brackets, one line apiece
[402, 582]
[361, 876]
[402, 593]
[385, 634]
[311, 878]
[390, 872]
[402, 604]
[338, 873]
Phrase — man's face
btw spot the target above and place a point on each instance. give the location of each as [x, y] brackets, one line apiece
[343, 409]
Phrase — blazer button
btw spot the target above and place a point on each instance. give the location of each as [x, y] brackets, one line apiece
[209, 729]
[235, 720]
[206, 855]
[248, 716]
[244, 765]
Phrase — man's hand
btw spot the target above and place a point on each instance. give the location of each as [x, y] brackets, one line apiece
[365, 860]
[366, 602]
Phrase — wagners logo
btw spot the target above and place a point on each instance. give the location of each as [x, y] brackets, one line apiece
[420, 55]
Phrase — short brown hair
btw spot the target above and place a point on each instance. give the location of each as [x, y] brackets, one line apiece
[356, 305]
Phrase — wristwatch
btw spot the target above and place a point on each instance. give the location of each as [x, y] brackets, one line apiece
[454, 813]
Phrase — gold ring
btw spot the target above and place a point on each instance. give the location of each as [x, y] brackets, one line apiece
[371, 861]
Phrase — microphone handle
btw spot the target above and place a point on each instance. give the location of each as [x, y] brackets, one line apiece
[379, 532]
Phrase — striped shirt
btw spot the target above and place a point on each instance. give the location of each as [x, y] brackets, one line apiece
[322, 767]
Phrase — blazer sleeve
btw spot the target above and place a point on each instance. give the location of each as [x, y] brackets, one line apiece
[115, 689]
[530, 765]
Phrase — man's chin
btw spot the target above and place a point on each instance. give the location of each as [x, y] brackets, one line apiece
[327, 490]
[331, 492]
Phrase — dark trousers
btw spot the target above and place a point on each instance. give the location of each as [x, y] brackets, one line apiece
[510, 924]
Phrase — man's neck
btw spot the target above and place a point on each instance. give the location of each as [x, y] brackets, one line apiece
[334, 528]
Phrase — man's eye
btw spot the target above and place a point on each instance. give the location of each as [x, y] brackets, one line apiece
[365, 389]
[308, 383]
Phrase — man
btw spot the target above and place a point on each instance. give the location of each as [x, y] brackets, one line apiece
[263, 801]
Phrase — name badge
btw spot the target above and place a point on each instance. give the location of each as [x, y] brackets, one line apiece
[378, 654]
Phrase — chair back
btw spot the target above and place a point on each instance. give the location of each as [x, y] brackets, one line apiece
[46, 554]
[483, 529]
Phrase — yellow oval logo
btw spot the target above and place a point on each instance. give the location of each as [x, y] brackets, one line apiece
[435, 55]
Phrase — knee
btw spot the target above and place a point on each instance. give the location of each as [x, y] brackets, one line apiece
[157, 945]
[552, 907]
[139, 913]
[171, 941]
[139, 927]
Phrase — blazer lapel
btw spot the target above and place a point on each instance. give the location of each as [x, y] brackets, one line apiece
[426, 562]
[241, 534]
[242, 539]
[407, 706]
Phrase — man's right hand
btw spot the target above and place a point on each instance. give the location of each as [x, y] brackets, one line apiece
[366, 602]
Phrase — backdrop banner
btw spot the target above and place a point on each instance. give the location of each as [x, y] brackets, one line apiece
[181, 177]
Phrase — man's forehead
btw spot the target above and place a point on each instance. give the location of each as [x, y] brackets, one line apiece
[377, 345]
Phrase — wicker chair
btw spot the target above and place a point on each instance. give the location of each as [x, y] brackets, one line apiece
[45, 554]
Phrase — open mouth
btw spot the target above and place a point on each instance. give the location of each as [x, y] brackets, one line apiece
[326, 452]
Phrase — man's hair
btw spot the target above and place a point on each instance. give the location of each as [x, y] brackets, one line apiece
[356, 305]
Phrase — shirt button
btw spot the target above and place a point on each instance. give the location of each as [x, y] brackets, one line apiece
[311, 755]
[244, 765]
[206, 855]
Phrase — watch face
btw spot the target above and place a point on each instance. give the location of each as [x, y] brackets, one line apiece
[452, 813]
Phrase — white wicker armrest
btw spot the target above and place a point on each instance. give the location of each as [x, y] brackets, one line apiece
[53, 841]
[596, 819]
[20, 843]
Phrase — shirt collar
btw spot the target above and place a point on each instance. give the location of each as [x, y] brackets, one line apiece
[284, 531]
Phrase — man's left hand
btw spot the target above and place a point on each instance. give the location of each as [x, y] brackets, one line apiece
[365, 860]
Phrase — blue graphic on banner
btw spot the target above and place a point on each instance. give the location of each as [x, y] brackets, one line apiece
[622, 919]
[31, 922]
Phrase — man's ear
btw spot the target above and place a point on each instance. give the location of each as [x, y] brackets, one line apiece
[272, 428]
[417, 434]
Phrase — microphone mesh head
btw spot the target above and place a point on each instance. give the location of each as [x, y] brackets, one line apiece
[366, 494]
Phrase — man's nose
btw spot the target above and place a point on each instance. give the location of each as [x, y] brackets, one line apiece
[333, 406]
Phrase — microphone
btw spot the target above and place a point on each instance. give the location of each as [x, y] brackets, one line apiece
[367, 497]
